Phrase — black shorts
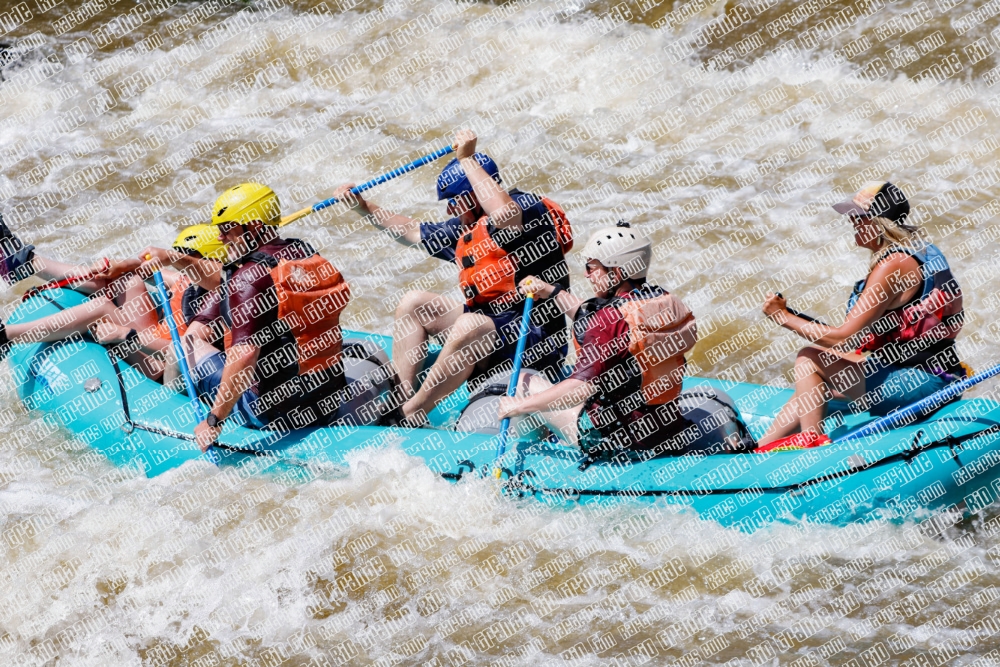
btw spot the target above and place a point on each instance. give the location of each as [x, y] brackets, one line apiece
[537, 355]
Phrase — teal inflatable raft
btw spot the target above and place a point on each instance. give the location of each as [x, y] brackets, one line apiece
[948, 459]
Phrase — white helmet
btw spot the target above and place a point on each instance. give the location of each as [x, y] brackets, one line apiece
[620, 247]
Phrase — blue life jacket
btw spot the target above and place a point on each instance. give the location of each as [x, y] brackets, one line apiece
[939, 304]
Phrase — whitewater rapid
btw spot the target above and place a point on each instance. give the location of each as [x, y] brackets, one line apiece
[723, 130]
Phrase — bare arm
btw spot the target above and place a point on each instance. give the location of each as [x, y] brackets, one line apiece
[237, 376]
[568, 304]
[170, 277]
[893, 283]
[99, 274]
[405, 230]
[205, 273]
[199, 331]
[50, 269]
[503, 211]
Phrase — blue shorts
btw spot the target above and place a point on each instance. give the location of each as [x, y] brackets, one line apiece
[208, 377]
[896, 386]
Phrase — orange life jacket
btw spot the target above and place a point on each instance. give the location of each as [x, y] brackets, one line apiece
[311, 295]
[661, 331]
[485, 271]
[176, 308]
[177, 293]
[564, 232]
[488, 273]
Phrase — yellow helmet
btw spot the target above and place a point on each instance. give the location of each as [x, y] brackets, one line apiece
[246, 202]
[204, 239]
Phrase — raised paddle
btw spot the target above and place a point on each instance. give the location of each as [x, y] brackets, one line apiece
[903, 416]
[512, 385]
[175, 337]
[378, 180]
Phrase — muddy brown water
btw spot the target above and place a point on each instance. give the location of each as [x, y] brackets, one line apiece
[723, 130]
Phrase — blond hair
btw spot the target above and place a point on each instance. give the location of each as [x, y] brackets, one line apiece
[892, 238]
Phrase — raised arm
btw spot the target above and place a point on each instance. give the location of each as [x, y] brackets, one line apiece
[891, 284]
[503, 211]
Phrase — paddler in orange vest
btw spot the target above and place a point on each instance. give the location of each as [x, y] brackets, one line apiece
[198, 242]
[631, 339]
[280, 303]
[497, 238]
[897, 343]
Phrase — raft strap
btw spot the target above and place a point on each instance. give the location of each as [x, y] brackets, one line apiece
[858, 465]
[129, 426]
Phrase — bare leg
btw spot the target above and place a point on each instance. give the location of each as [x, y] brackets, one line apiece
[62, 324]
[49, 269]
[197, 346]
[19, 260]
[195, 349]
[472, 339]
[171, 369]
[819, 376]
[418, 316]
[138, 312]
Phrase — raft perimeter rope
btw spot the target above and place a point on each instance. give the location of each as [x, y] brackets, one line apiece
[907, 455]
[131, 425]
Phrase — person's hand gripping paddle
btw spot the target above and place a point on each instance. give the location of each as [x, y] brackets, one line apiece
[529, 301]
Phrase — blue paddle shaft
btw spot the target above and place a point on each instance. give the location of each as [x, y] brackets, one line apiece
[178, 348]
[938, 397]
[512, 385]
[388, 176]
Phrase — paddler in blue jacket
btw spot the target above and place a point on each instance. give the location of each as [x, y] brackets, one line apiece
[897, 343]
[497, 238]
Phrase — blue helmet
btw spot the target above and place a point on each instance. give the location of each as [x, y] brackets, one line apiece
[453, 182]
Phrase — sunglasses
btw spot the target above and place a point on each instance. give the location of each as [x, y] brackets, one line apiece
[227, 227]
